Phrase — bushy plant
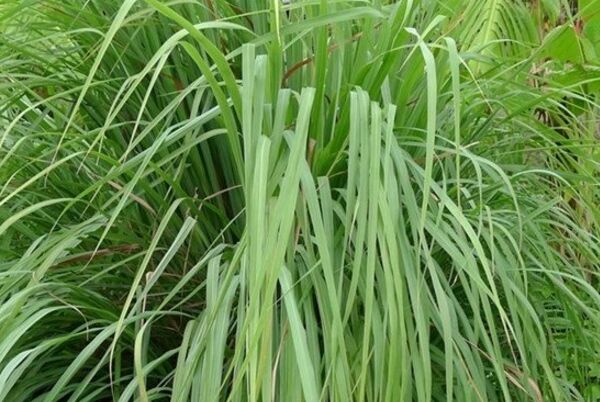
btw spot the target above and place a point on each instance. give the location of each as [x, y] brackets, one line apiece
[307, 200]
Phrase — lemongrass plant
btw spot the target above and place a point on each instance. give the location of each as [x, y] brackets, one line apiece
[257, 200]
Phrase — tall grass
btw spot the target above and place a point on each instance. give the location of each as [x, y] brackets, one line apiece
[297, 201]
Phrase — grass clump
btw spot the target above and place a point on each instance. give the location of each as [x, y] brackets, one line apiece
[297, 201]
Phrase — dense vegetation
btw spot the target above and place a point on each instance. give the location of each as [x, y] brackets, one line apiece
[312, 200]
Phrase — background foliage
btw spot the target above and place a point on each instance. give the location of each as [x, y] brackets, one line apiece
[306, 200]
